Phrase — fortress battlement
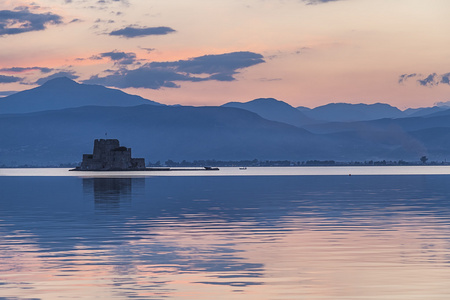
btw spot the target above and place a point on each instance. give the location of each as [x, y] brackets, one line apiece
[108, 155]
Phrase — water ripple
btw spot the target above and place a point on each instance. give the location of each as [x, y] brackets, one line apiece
[324, 237]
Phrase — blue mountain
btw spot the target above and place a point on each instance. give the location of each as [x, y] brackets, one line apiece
[155, 133]
[62, 92]
[223, 133]
[346, 112]
[275, 110]
[424, 111]
[262, 129]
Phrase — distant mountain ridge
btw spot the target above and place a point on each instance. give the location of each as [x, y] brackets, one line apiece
[62, 92]
[222, 133]
[57, 122]
[346, 112]
[425, 111]
[274, 110]
[154, 132]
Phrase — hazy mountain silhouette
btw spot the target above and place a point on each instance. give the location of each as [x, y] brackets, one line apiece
[426, 111]
[445, 112]
[437, 120]
[303, 108]
[190, 133]
[404, 136]
[346, 112]
[156, 133]
[62, 92]
[260, 129]
[275, 110]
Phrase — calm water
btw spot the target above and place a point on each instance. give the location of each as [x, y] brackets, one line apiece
[225, 237]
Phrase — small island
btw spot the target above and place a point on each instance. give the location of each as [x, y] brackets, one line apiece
[108, 155]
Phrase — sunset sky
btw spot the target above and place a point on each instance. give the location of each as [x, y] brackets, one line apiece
[198, 52]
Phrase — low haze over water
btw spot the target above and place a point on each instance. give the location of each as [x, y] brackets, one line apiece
[226, 237]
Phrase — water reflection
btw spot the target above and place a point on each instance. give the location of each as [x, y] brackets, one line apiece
[305, 237]
[109, 193]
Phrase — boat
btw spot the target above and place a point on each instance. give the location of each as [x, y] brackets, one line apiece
[211, 168]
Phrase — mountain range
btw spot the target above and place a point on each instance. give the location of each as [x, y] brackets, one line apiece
[275, 110]
[345, 112]
[62, 92]
[57, 122]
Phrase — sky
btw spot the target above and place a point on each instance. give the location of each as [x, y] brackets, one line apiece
[198, 52]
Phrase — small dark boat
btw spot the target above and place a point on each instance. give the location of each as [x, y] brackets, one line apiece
[211, 168]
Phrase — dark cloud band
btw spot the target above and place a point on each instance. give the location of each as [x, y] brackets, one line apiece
[132, 32]
[118, 57]
[430, 80]
[402, 78]
[122, 58]
[22, 20]
[312, 2]
[226, 63]
[9, 79]
[155, 75]
[26, 69]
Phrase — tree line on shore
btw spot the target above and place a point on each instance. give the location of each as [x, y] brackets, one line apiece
[288, 163]
[259, 163]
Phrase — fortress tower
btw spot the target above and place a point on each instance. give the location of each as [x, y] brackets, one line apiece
[108, 155]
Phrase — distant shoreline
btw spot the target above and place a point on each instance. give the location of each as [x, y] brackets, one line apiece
[238, 171]
[154, 169]
[183, 166]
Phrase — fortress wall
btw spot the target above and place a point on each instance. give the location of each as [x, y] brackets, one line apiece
[108, 155]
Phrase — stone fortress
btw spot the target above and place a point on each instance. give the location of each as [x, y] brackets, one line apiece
[108, 155]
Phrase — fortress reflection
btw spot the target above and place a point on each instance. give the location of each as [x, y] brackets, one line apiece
[111, 193]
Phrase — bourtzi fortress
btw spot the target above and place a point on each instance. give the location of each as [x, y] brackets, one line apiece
[108, 155]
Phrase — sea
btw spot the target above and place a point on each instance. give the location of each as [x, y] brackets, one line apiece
[328, 233]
